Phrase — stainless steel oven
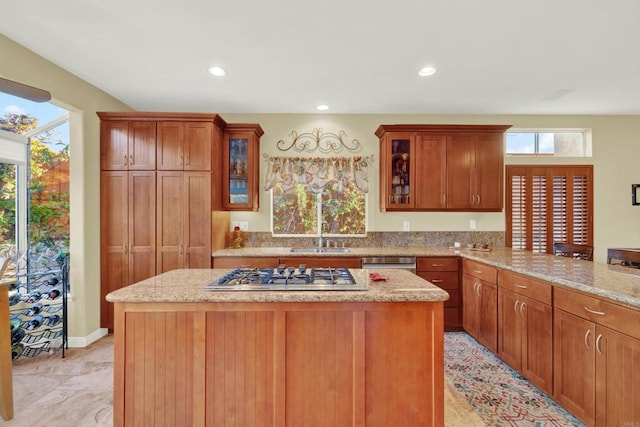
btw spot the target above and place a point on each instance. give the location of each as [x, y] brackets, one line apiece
[403, 262]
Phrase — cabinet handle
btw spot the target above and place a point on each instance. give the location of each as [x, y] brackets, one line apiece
[181, 160]
[598, 343]
[125, 160]
[479, 289]
[478, 204]
[477, 271]
[131, 249]
[522, 308]
[592, 311]
[444, 200]
[187, 160]
[520, 286]
[437, 265]
[515, 306]
[437, 281]
[124, 249]
[586, 337]
[131, 159]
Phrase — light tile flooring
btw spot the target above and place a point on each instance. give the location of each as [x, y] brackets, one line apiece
[78, 390]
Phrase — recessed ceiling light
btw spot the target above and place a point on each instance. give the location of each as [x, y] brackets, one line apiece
[217, 71]
[427, 71]
[322, 107]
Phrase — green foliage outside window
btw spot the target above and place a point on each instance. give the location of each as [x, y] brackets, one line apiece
[296, 212]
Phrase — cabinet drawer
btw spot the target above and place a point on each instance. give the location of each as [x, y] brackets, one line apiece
[605, 313]
[525, 285]
[322, 262]
[437, 264]
[244, 261]
[442, 279]
[481, 271]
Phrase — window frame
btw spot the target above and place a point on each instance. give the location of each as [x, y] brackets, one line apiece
[586, 141]
[529, 172]
[319, 220]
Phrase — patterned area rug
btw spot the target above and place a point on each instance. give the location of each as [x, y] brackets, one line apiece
[497, 393]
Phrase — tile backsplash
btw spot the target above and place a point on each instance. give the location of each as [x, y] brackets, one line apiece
[391, 238]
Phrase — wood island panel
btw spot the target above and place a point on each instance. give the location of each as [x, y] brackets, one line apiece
[279, 364]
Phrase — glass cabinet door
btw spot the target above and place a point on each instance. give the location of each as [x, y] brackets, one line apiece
[238, 171]
[400, 190]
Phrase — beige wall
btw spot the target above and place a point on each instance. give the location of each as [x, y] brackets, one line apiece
[615, 152]
[83, 100]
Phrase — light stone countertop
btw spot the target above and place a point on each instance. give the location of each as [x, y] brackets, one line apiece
[187, 285]
[620, 284]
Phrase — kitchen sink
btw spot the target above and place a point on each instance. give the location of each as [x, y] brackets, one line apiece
[321, 250]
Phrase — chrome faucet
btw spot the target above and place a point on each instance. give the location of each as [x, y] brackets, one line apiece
[320, 239]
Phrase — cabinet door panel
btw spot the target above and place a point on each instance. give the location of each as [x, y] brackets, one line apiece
[170, 146]
[460, 161]
[142, 225]
[197, 146]
[510, 327]
[431, 175]
[574, 364]
[470, 305]
[489, 172]
[537, 344]
[197, 219]
[114, 143]
[618, 376]
[170, 223]
[489, 317]
[142, 145]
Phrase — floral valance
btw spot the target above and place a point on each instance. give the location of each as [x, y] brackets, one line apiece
[318, 172]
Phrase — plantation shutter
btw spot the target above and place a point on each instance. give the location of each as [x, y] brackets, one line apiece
[547, 205]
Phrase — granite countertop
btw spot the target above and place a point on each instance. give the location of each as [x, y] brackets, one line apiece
[620, 284]
[187, 285]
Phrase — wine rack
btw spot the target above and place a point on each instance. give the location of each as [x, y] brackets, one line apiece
[38, 317]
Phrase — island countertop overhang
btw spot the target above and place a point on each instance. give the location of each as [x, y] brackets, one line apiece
[187, 286]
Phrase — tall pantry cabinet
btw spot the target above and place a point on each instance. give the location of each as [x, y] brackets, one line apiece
[156, 195]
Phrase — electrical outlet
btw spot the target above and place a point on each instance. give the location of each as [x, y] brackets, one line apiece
[472, 224]
[244, 225]
[406, 226]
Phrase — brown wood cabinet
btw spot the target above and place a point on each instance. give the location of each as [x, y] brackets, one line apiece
[444, 273]
[241, 167]
[480, 303]
[596, 359]
[144, 231]
[525, 328]
[184, 145]
[127, 145]
[128, 235]
[277, 364]
[441, 167]
[184, 220]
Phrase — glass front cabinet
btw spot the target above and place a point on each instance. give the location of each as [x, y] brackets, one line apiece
[241, 151]
[397, 172]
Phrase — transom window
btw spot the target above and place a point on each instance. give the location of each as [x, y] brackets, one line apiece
[556, 143]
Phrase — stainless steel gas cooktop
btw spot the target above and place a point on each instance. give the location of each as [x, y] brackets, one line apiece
[288, 279]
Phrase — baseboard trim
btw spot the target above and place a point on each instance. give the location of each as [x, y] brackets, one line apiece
[79, 342]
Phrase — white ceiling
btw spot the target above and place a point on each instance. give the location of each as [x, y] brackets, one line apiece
[357, 56]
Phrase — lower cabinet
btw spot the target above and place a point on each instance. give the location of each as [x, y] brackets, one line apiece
[525, 327]
[444, 273]
[596, 369]
[480, 306]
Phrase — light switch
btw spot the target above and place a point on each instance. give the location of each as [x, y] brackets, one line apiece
[472, 224]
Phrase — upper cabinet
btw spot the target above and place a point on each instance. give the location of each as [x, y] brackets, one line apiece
[240, 155]
[184, 146]
[441, 167]
[128, 145]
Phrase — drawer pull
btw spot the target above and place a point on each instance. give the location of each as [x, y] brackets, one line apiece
[437, 281]
[586, 337]
[477, 271]
[592, 311]
[520, 286]
[437, 265]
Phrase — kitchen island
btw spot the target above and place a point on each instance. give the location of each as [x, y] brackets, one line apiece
[186, 356]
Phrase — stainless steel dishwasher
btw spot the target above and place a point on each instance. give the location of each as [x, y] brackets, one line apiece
[404, 262]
